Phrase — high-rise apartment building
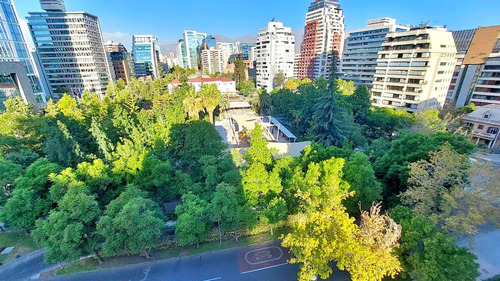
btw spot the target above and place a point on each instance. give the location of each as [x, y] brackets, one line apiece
[192, 44]
[361, 47]
[323, 43]
[275, 54]
[414, 69]
[146, 55]
[246, 49]
[477, 74]
[121, 61]
[18, 75]
[227, 49]
[212, 61]
[70, 47]
[209, 42]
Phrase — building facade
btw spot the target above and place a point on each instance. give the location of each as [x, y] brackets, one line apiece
[70, 48]
[275, 54]
[13, 49]
[414, 69]
[192, 44]
[227, 49]
[146, 55]
[121, 60]
[485, 124]
[477, 75]
[246, 49]
[212, 61]
[323, 43]
[225, 85]
[361, 47]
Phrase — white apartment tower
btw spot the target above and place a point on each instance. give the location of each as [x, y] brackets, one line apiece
[71, 52]
[274, 54]
[361, 47]
[414, 69]
[323, 43]
[212, 61]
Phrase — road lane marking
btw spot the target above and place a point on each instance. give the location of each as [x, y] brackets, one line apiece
[263, 255]
[264, 268]
[213, 279]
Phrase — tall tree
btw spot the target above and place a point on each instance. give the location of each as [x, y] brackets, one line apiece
[239, 71]
[426, 254]
[279, 80]
[442, 190]
[359, 173]
[132, 224]
[193, 104]
[211, 98]
[69, 232]
[192, 220]
[332, 123]
[373, 257]
[361, 104]
[30, 198]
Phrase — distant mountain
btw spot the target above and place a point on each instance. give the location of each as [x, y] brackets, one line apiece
[251, 38]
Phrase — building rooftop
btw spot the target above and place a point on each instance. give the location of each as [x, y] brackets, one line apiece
[199, 79]
[488, 113]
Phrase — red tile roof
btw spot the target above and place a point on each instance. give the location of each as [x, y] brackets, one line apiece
[199, 79]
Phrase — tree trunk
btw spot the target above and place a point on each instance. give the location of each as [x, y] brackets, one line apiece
[97, 256]
[197, 244]
[211, 116]
[272, 230]
[220, 235]
[146, 252]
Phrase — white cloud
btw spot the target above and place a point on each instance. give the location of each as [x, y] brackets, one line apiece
[119, 37]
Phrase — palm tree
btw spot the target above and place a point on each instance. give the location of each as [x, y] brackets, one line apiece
[211, 97]
[193, 104]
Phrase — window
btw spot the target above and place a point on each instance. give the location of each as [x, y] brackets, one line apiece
[486, 115]
[492, 130]
[480, 127]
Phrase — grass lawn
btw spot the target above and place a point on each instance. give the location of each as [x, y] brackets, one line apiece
[22, 243]
[92, 264]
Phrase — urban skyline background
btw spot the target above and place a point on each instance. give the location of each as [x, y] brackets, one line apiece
[121, 19]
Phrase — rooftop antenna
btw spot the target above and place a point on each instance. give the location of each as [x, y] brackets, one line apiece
[273, 19]
[425, 24]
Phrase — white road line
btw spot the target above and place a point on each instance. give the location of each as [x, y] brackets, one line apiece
[213, 279]
[260, 269]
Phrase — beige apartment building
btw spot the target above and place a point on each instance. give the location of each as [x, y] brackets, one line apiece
[414, 69]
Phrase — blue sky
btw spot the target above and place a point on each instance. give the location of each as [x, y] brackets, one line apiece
[233, 18]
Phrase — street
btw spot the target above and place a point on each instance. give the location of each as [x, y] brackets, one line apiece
[263, 262]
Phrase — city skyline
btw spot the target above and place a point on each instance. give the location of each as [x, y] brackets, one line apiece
[169, 26]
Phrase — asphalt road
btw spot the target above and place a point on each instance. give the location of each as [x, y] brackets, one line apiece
[24, 268]
[261, 262]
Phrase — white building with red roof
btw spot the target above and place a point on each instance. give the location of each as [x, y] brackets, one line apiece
[225, 85]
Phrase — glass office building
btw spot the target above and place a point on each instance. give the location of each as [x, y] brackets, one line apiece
[70, 49]
[192, 42]
[146, 55]
[245, 49]
[13, 48]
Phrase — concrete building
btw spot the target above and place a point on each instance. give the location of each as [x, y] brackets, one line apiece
[14, 51]
[275, 54]
[227, 49]
[121, 61]
[323, 43]
[146, 55]
[71, 52]
[485, 124]
[414, 69]
[212, 61]
[246, 49]
[477, 75]
[361, 47]
[225, 85]
[192, 43]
